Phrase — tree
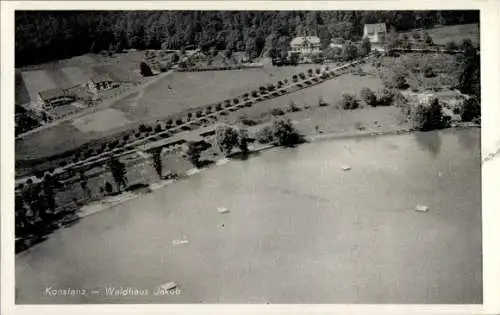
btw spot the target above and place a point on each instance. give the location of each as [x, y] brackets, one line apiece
[451, 45]
[227, 139]
[428, 117]
[366, 47]
[369, 96]
[469, 81]
[195, 148]
[265, 135]
[399, 81]
[471, 110]
[428, 72]
[118, 171]
[157, 161]
[243, 141]
[284, 133]
[145, 70]
[175, 58]
[349, 52]
[349, 101]
[428, 39]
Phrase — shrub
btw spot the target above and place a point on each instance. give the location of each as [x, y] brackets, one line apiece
[255, 93]
[285, 81]
[138, 135]
[369, 96]
[385, 97]
[63, 163]
[169, 123]
[349, 102]
[265, 135]
[428, 72]
[236, 101]
[428, 39]
[277, 112]
[142, 128]
[471, 110]
[451, 45]
[178, 122]
[158, 128]
[302, 75]
[399, 81]
[295, 78]
[321, 102]
[293, 108]
[218, 106]
[145, 70]
[248, 121]
[318, 70]
[199, 113]
[126, 138]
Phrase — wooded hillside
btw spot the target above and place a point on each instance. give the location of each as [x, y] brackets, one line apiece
[48, 35]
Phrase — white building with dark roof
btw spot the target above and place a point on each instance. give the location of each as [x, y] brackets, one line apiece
[99, 83]
[376, 33]
[305, 45]
[55, 97]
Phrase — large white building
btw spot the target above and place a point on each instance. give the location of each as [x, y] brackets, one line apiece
[377, 34]
[305, 45]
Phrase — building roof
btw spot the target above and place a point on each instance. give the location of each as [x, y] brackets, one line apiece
[375, 28]
[302, 39]
[187, 136]
[51, 94]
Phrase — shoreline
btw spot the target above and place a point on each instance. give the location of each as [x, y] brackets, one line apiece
[97, 206]
[106, 203]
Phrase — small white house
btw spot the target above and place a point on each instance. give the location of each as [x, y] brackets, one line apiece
[99, 83]
[376, 33]
[305, 45]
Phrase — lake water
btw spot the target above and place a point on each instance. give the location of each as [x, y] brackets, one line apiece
[298, 230]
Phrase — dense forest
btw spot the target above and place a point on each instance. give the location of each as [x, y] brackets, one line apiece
[49, 35]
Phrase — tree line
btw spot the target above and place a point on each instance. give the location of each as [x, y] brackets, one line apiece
[43, 36]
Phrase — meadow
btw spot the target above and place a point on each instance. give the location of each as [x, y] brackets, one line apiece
[457, 33]
[156, 101]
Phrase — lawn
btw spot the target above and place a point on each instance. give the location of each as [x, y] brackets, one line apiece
[330, 92]
[457, 33]
[412, 66]
[180, 91]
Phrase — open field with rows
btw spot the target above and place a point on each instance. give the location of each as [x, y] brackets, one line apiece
[75, 71]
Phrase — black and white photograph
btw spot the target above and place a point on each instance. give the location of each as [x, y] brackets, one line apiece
[248, 157]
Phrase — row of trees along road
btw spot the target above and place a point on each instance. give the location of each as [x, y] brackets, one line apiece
[50, 35]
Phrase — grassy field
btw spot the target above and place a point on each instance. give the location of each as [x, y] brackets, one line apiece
[180, 91]
[156, 102]
[457, 33]
[75, 71]
[412, 66]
